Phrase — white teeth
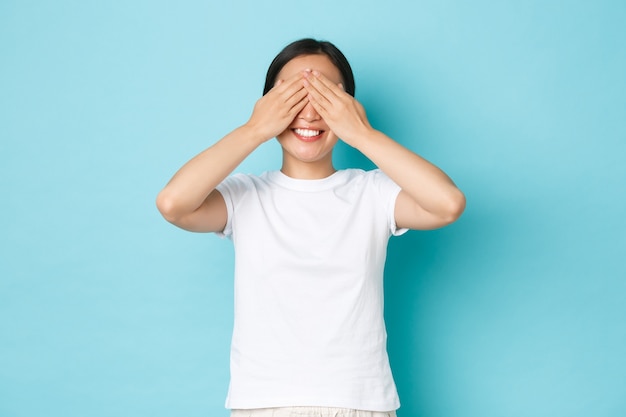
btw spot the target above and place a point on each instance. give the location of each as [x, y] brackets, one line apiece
[307, 132]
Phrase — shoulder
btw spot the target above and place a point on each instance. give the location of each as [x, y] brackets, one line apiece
[374, 185]
[358, 174]
[374, 174]
[238, 180]
[375, 178]
[237, 183]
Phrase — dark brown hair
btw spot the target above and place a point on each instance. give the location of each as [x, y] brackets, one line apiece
[310, 46]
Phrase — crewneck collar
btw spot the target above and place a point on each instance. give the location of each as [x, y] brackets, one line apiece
[279, 178]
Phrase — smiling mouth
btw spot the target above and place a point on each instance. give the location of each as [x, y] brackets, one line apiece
[308, 135]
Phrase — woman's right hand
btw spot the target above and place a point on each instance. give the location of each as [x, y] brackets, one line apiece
[274, 112]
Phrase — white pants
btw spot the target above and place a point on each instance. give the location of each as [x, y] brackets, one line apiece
[309, 412]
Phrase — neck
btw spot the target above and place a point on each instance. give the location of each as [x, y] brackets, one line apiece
[308, 170]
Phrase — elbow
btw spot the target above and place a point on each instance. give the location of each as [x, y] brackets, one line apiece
[167, 206]
[455, 206]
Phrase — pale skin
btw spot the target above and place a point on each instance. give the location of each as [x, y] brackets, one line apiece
[309, 95]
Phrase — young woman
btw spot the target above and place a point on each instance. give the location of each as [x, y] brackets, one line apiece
[310, 241]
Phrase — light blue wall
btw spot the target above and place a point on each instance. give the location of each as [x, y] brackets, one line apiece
[516, 310]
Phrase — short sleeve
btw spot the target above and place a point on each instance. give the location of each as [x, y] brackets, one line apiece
[225, 192]
[388, 191]
[231, 189]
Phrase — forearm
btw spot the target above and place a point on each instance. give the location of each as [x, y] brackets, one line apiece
[426, 184]
[192, 184]
[425, 187]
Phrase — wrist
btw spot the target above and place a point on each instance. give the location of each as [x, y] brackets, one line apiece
[253, 135]
[361, 138]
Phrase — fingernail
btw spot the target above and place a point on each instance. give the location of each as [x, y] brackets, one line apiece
[316, 73]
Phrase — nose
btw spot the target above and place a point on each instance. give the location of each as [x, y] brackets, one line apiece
[309, 114]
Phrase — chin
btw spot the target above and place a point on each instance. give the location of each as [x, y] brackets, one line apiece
[310, 149]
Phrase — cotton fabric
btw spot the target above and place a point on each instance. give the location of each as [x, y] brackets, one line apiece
[309, 412]
[309, 261]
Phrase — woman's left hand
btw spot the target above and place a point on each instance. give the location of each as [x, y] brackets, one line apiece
[344, 115]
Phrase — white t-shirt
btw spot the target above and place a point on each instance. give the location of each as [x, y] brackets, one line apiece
[309, 261]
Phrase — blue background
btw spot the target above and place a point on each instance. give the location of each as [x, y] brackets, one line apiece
[518, 309]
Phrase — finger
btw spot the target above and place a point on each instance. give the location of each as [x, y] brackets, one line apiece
[284, 84]
[296, 97]
[282, 88]
[298, 106]
[315, 92]
[292, 89]
[317, 98]
[326, 86]
[314, 98]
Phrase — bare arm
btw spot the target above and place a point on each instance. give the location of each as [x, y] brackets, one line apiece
[190, 200]
[429, 199]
